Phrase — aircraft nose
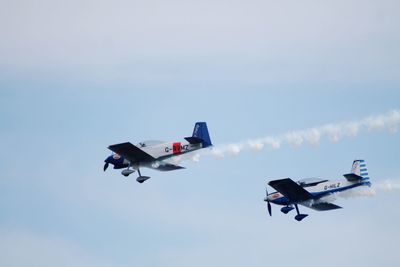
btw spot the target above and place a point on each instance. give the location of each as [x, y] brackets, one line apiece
[268, 198]
[108, 159]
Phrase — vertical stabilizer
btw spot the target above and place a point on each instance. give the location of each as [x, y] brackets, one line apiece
[359, 168]
[201, 131]
[358, 172]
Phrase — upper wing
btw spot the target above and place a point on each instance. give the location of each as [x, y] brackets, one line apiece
[291, 189]
[166, 167]
[321, 206]
[131, 152]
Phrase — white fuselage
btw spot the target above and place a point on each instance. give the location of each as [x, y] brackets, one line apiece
[169, 149]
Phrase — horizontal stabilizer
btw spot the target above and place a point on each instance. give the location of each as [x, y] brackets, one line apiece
[352, 177]
[194, 140]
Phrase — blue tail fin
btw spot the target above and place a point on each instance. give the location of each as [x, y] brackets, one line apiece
[358, 172]
[200, 135]
[359, 167]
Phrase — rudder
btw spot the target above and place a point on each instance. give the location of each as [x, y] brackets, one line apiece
[359, 168]
[201, 131]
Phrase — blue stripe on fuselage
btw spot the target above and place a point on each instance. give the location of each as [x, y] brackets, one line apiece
[281, 201]
[336, 190]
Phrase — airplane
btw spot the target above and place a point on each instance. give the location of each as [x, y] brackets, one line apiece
[153, 154]
[310, 192]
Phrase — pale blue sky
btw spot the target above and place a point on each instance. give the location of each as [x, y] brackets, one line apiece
[76, 77]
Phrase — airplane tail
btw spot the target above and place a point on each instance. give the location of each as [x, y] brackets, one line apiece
[359, 171]
[200, 135]
[359, 168]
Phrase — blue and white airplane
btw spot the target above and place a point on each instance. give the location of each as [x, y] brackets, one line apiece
[153, 154]
[310, 192]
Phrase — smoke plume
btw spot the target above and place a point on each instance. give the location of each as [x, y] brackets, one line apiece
[386, 186]
[333, 132]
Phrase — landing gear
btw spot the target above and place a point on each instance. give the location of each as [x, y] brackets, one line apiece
[127, 172]
[141, 178]
[299, 216]
[286, 209]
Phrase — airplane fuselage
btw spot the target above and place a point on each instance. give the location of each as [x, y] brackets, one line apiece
[170, 149]
[159, 151]
[319, 190]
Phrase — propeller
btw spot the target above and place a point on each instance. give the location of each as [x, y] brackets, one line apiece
[269, 208]
[105, 166]
[268, 204]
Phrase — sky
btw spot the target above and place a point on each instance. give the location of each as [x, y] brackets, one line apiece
[78, 76]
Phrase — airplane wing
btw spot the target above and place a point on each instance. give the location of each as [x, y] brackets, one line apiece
[164, 167]
[291, 190]
[131, 152]
[321, 206]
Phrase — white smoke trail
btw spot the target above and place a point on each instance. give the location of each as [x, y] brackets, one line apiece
[376, 188]
[333, 132]
[388, 186]
[358, 192]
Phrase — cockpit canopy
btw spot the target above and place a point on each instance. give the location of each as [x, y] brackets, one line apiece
[150, 143]
[310, 181]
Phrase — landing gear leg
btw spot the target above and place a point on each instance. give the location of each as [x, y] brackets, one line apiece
[299, 216]
[297, 209]
[141, 178]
